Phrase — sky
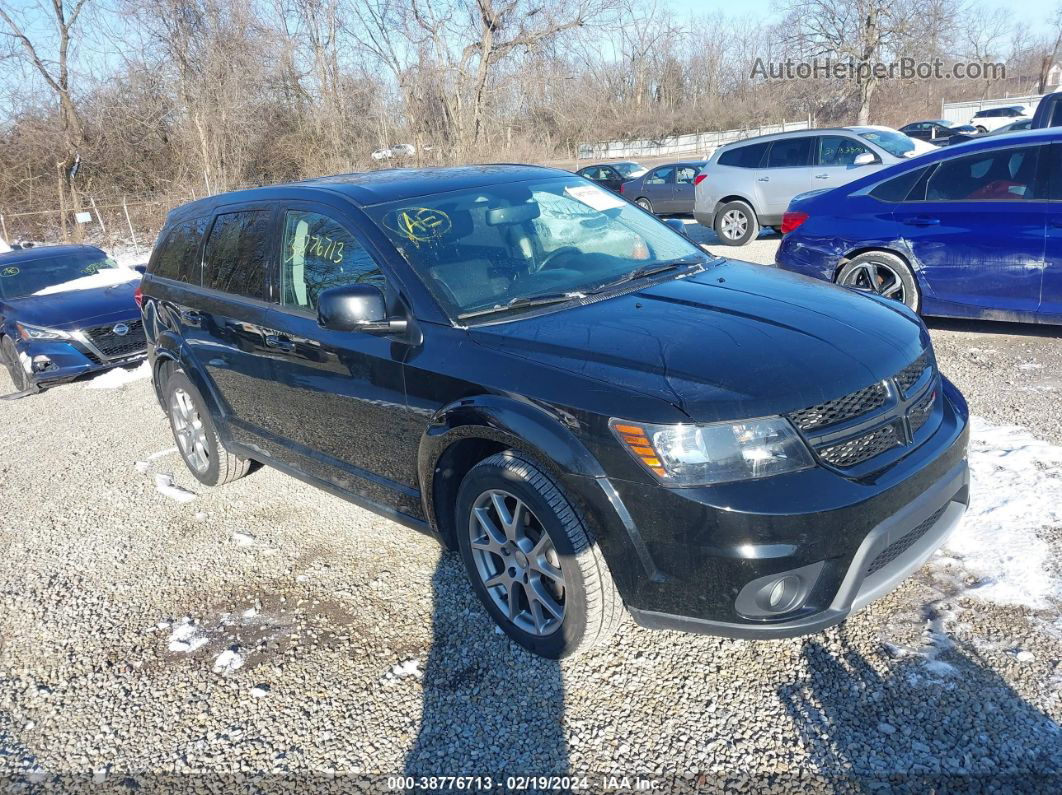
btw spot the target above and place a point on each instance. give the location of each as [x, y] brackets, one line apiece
[1029, 11]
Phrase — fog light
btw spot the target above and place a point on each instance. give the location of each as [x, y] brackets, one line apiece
[42, 364]
[779, 593]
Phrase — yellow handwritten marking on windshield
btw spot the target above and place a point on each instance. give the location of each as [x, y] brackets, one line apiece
[10, 270]
[420, 224]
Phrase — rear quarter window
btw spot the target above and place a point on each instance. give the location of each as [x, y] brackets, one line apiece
[178, 253]
[234, 260]
[898, 188]
[750, 156]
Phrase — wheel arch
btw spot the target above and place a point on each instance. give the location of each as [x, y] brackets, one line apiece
[885, 249]
[735, 198]
[171, 352]
[469, 430]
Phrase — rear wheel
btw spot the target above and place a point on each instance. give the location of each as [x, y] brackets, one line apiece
[197, 439]
[531, 560]
[644, 203]
[882, 273]
[18, 373]
[736, 224]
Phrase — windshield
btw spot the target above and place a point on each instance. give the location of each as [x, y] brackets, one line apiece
[503, 244]
[895, 143]
[61, 273]
[629, 170]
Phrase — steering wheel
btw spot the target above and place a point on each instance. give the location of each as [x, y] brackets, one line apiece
[563, 250]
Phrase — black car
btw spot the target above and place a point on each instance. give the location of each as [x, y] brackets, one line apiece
[593, 411]
[66, 311]
[931, 130]
[612, 175]
[667, 189]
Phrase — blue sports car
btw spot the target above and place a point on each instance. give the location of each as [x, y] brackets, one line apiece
[973, 231]
[66, 311]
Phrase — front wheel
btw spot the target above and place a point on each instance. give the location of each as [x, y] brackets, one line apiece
[736, 224]
[18, 373]
[882, 273]
[197, 439]
[531, 560]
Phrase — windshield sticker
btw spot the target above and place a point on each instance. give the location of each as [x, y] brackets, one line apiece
[419, 224]
[10, 270]
[594, 197]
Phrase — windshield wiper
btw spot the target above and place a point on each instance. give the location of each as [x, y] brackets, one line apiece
[649, 270]
[525, 301]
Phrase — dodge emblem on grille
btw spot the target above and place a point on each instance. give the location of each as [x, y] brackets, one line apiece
[121, 329]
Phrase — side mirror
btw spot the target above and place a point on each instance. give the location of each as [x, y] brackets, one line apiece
[677, 226]
[356, 307]
[141, 269]
[864, 159]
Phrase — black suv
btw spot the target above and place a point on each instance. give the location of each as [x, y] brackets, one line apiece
[593, 411]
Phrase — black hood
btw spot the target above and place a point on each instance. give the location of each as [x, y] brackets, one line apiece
[75, 308]
[737, 340]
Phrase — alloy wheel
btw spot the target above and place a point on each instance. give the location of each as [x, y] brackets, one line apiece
[517, 562]
[189, 431]
[877, 277]
[735, 224]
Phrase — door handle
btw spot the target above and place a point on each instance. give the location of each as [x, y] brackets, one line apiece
[763, 179]
[921, 220]
[279, 342]
[822, 176]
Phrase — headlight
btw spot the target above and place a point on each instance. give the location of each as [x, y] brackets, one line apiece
[720, 452]
[28, 332]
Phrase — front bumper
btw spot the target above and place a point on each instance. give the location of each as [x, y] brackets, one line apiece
[52, 362]
[890, 553]
[685, 558]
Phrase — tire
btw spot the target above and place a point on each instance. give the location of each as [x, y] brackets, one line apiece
[981, 130]
[883, 273]
[736, 224]
[196, 437]
[644, 203]
[19, 377]
[590, 606]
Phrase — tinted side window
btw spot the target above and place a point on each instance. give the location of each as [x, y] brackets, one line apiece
[898, 188]
[743, 156]
[1002, 175]
[318, 253]
[839, 150]
[791, 152]
[178, 253]
[660, 176]
[234, 259]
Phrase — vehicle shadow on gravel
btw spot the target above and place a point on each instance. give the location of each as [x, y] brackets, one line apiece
[489, 706]
[952, 724]
[993, 327]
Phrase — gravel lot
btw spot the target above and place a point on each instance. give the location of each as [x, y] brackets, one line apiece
[267, 629]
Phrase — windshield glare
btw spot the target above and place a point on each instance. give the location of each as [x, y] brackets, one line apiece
[895, 143]
[629, 170]
[488, 247]
[18, 280]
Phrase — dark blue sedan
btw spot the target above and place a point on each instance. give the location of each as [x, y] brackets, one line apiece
[970, 232]
[66, 311]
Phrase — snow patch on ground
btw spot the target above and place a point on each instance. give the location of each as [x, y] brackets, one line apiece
[187, 637]
[164, 485]
[1016, 492]
[105, 277]
[229, 661]
[402, 670]
[243, 539]
[119, 377]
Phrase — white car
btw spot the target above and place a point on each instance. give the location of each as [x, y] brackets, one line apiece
[382, 154]
[991, 119]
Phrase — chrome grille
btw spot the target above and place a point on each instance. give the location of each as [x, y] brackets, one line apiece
[844, 408]
[116, 346]
[862, 448]
[908, 376]
[861, 425]
[922, 411]
[898, 547]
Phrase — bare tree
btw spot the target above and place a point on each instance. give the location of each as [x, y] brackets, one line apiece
[55, 71]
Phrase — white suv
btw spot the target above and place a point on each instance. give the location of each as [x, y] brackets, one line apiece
[991, 119]
[748, 184]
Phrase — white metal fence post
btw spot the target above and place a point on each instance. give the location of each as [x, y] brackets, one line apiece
[132, 234]
[99, 218]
